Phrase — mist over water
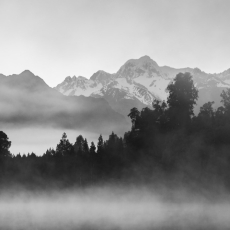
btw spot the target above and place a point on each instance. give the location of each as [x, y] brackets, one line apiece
[113, 208]
[39, 139]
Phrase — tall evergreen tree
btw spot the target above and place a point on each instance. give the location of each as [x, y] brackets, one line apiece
[79, 145]
[134, 115]
[64, 148]
[92, 149]
[181, 100]
[100, 145]
[85, 147]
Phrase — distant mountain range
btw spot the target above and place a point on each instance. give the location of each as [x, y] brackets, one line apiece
[99, 104]
[139, 81]
[26, 100]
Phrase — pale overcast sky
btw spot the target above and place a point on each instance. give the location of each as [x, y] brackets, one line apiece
[58, 38]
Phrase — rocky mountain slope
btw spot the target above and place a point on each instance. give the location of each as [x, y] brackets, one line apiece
[139, 81]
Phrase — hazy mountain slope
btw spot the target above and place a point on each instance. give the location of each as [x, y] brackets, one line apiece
[139, 81]
[26, 99]
[119, 100]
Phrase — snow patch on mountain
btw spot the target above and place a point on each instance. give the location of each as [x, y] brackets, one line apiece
[77, 86]
[135, 90]
[126, 90]
[156, 85]
[137, 67]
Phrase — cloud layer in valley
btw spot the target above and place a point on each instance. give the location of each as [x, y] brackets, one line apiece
[25, 100]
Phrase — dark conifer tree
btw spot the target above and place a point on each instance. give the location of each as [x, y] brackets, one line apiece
[64, 148]
[206, 116]
[79, 145]
[4, 145]
[18, 156]
[49, 153]
[85, 147]
[100, 145]
[181, 100]
[92, 149]
[134, 115]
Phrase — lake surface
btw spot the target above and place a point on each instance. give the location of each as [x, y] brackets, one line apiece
[39, 139]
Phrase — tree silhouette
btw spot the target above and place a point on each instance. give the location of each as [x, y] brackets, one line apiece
[181, 100]
[64, 148]
[79, 145]
[4, 145]
[85, 147]
[134, 114]
[207, 110]
[100, 145]
[92, 149]
[114, 145]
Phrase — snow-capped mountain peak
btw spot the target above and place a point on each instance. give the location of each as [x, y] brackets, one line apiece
[78, 86]
[141, 80]
[142, 62]
[102, 77]
[134, 68]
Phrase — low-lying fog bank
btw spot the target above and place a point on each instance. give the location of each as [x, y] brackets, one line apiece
[113, 208]
[42, 138]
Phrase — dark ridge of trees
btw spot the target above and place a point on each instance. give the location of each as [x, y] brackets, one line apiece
[165, 143]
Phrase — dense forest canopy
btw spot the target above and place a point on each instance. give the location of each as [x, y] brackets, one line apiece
[167, 140]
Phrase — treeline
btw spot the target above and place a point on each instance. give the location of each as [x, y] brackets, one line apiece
[167, 142]
[68, 164]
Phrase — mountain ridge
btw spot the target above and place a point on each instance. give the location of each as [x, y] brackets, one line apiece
[141, 80]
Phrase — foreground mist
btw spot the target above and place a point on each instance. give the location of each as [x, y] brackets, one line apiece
[113, 208]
